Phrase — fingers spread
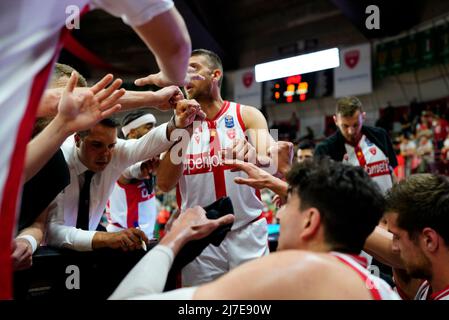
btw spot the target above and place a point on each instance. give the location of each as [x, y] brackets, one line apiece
[110, 111]
[112, 100]
[110, 90]
[100, 85]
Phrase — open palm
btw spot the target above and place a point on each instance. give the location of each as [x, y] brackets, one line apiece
[82, 111]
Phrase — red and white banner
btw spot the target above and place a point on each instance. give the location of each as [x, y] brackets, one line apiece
[353, 77]
[246, 90]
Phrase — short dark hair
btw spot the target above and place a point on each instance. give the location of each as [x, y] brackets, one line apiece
[349, 202]
[63, 70]
[213, 58]
[347, 106]
[422, 200]
[107, 122]
[306, 144]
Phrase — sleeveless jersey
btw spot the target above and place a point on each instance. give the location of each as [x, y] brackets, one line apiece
[378, 288]
[423, 293]
[205, 178]
[131, 206]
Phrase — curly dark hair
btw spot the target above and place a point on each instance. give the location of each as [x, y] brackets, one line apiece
[349, 202]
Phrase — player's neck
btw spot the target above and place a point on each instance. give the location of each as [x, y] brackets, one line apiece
[355, 143]
[440, 278]
[211, 107]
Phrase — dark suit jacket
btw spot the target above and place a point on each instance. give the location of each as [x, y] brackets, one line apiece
[334, 146]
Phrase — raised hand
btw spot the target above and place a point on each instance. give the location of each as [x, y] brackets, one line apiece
[283, 153]
[160, 80]
[241, 150]
[167, 98]
[193, 223]
[82, 111]
[186, 112]
[257, 177]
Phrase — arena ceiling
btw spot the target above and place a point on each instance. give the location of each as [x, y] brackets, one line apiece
[245, 32]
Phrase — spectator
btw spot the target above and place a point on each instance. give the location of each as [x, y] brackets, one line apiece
[305, 150]
[426, 156]
[408, 151]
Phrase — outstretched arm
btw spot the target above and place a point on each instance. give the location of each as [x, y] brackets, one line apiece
[191, 225]
[171, 165]
[163, 99]
[379, 244]
[167, 37]
[258, 178]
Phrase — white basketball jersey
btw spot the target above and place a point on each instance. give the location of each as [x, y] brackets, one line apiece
[423, 293]
[379, 289]
[206, 179]
[131, 206]
[370, 157]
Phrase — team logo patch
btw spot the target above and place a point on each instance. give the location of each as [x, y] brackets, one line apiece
[231, 133]
[373, 151]
[369, 143]
[229, 121]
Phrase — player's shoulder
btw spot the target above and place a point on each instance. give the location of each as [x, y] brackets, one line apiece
[252, 116]
[376, 130]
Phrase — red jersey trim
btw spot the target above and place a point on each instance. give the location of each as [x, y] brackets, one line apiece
[240, 118]
[374, 292]
[222, 111]
[439, 294]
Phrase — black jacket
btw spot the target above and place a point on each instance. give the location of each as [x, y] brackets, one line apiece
[41, 189]
[334, 146]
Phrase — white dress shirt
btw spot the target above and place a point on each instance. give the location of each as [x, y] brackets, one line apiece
[62, 231]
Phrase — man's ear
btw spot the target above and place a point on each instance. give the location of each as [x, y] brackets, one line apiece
[216, 75]
[429, 239]
[77, 140]
[335, 118]
[311, 223]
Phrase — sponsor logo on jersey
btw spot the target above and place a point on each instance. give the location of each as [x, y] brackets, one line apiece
[373, 151]
[378, 168]
[229, 121]
[200, 163]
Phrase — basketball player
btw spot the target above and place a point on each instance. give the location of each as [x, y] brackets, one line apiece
[202, 178]
[320, 240]
[418, 217]
[32, 34]
[132, 202]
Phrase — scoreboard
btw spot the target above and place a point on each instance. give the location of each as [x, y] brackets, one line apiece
[300, 88]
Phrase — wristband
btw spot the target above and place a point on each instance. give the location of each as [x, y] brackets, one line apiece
[31, 240]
